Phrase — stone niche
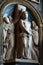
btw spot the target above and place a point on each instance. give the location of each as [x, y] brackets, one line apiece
[7, 7]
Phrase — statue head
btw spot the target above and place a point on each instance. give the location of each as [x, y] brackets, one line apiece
[5, 18]
[26, 14]
[23, 8]
[34, 26]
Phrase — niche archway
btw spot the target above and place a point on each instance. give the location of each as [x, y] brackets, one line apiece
[32, 9]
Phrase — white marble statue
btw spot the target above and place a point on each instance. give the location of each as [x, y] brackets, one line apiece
[35, 38]
[28, 39]
[35, 32]
[5, 28]
[8, 33]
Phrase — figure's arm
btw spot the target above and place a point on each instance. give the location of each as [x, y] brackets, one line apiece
[22, 28]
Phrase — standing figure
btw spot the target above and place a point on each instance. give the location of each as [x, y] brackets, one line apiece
[27, 38]
[29, 48]
[5, 28]
[9, 38]
[35, 39]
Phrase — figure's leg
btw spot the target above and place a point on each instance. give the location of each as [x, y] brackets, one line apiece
[4, 43]
[34, 56]
[11, 45]
[36, 51]
[4, 53]
[25, 46]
